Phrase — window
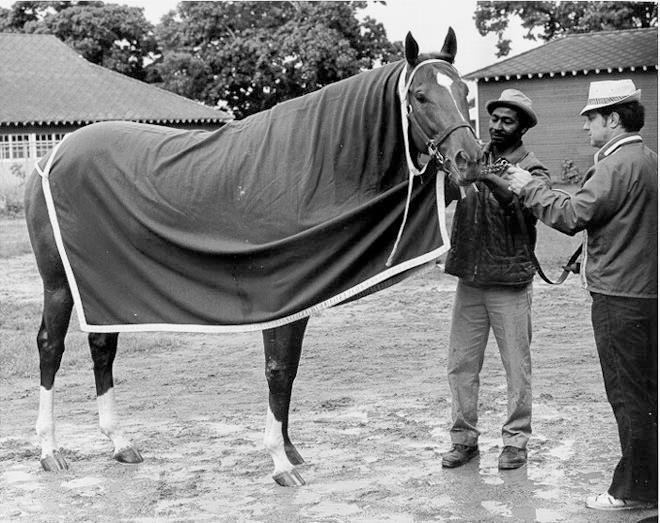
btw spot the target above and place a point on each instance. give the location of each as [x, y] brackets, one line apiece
[5, 147]
[20, 145]
[45, 142]
[27, 146]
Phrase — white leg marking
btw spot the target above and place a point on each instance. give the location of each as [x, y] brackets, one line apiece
[108, 420]
[45, 426]
[274, 443]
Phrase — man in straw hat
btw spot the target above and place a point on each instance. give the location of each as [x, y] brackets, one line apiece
[617, 206]
[493, 291]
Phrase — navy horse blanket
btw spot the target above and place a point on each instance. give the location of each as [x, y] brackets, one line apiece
[255, 225]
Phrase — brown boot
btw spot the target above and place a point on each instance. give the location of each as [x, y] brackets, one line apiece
[459, 455]
[512, 458]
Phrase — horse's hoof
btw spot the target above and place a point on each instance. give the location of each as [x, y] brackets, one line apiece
[128, 455]
[54, 462]
[289, 479]
[292, 454]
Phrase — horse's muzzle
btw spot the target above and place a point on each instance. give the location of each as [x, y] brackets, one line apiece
[466, 169]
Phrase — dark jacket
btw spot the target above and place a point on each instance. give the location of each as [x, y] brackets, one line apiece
[618, 207]
[488, 247]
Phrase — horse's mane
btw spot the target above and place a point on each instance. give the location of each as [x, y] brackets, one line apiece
[380, 79]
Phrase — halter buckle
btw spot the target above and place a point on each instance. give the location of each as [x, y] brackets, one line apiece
[434, 151]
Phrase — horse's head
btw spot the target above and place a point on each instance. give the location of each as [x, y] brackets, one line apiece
[438, 113]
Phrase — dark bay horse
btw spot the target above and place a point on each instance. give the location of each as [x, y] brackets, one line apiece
[431, 121]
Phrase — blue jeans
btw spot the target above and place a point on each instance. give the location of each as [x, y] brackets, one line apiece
[626, 333]
[507, 310]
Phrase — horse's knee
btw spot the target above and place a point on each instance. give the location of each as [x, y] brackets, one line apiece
[280, 377]
[103, 347]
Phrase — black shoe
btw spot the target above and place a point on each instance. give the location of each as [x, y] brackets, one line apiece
[459, 455]
[512, 458]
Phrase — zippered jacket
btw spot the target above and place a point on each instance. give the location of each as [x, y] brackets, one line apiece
[487, 246]
[617, 205]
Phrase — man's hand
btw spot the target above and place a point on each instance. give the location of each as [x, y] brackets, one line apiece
[517, 178]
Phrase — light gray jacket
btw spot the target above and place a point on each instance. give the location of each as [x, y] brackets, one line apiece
[618, 207]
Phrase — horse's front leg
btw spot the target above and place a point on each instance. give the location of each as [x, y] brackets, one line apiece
[104, 348]
[282, 347]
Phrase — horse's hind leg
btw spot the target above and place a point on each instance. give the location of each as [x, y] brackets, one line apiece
[104, 348]
[58, 303]
[282, 346]
[50, 342]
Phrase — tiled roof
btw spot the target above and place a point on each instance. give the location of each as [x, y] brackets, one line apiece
[628, 49]
[43, 81]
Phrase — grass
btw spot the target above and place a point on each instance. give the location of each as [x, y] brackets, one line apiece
[14, 239]
[20, 317]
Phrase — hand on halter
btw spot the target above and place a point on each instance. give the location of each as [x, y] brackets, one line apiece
[517, 178]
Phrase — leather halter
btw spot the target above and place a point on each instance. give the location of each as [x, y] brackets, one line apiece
[432, 143]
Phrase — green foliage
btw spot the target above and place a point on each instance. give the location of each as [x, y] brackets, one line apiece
[549, 20]
[252, 55]
[11, 197]
[115, 36]
[570, 173]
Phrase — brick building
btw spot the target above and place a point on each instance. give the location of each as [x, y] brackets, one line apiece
[556, 77]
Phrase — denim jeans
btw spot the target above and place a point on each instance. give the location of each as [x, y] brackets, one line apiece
[626, 333]
[507, 310]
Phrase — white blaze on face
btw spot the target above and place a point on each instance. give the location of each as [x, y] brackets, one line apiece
[446, 82]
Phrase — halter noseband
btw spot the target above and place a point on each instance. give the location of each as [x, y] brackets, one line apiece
[432, 144]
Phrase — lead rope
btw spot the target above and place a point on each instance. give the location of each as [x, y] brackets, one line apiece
[497, 168]
[570, 266]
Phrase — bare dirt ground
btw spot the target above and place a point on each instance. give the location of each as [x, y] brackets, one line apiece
[370, 415]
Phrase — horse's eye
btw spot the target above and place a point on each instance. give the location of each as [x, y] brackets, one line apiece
[420, 97]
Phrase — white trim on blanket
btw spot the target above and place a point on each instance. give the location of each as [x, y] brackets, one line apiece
[50, 204]
[427, 258]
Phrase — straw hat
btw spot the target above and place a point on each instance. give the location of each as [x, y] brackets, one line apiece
[611, 92]
[514, 99]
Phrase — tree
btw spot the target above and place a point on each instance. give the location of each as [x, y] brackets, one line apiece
[252, 55]
[554, 19]
[114, 36]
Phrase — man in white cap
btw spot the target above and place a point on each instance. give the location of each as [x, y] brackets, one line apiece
[617, 206]
[489, 256]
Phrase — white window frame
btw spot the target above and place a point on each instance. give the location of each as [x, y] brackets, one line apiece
[46, 142]
[8, 149]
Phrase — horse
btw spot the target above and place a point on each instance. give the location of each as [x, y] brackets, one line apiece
[422, 127]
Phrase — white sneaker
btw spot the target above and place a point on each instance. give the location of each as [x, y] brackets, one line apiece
[605, 501]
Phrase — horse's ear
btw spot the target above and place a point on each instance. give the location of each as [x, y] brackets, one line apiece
[448, 52]
[412, 49]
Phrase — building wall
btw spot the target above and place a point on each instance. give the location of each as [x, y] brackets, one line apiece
[557, 102]
[17, 158]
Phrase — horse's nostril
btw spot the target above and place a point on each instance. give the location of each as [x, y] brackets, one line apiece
[461, 160]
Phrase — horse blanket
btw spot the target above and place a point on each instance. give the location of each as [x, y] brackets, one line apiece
[255, 225]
